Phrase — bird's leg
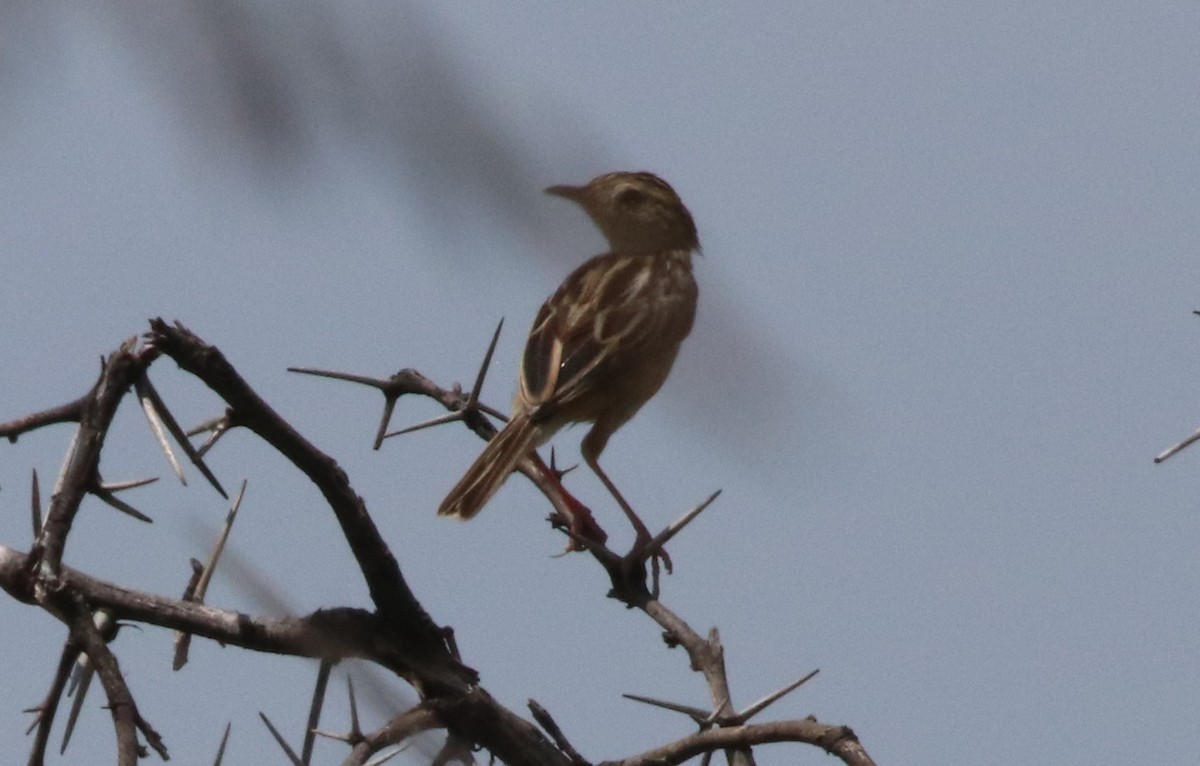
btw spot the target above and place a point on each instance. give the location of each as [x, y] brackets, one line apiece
[593, 445]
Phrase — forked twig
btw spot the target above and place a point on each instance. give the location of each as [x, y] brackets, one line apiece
[472, 404]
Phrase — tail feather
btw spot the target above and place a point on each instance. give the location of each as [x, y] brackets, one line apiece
[490, 469]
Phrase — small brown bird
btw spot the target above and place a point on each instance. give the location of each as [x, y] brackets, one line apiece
[603, 344]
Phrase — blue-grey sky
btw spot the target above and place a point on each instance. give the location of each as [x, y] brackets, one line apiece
[946, 291]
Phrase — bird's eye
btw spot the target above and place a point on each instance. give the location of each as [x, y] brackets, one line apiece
[630, 196]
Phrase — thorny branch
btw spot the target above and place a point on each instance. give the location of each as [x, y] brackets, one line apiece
[399, 634]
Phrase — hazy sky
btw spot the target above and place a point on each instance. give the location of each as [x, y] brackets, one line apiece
[950, 260]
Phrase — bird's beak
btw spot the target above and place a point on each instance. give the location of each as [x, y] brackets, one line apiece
[574, 193]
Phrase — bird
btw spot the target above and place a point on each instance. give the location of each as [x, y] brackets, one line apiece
[603, 344]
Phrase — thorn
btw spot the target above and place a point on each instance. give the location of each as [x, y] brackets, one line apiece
[656, 576]
[381, 758]
[334, 735]
[354, 727]
[757, 707]
[487, 362]
[224, 741]
[363, 379]
[219, 426]
[81, 680]
[449, 417]
[68, 459]
[1169, 451]
[35, 502]
[122, 506]
[663, 537]
[291, 754]
[715, 715]
[219, 546]
[389, 406]
[497, 414]
[315, 707]
[696, 714]
[146, 389]
[208, 425]
[392, 389]
[559, 473]
[197, 590]
[83, 672]
[158, 428]
[121, 486]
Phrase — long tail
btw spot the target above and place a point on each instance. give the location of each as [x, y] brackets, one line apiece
[491, 468]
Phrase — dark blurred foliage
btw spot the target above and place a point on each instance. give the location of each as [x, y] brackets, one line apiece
[263, 86]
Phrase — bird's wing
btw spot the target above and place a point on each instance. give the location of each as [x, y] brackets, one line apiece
[593, 326]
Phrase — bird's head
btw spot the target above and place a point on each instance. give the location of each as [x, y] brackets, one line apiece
[636, 212]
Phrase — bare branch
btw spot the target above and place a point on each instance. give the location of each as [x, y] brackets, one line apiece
[399, 635]
[117, 375]
[71, 412]
[414, 631]
[342, 632]
[838, 741]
